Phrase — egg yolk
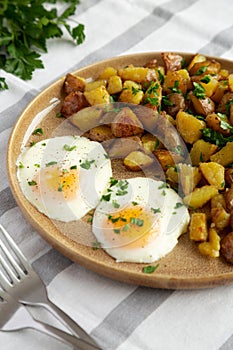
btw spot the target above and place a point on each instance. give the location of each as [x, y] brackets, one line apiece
[58, 182]
[131, 227]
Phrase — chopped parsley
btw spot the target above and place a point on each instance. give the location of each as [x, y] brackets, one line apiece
[164, 185]
[87, 164]
[155, 210]
[178, 205]
[115, 204]
[21, 166]
[32, 183]
[199, 91]
[69, 148]
[205, 79]
[166, 101]
[113, 181]
[126, 227]
[134, 203]
[96, 245]
[106, 197]
[135, 90]
[175, 88]
[150, 268]
[38, 131]
[137, 221]
[53, 162]
[116, 230]
[73, 167]
[37, 165]
[215, 137]
[201, 70]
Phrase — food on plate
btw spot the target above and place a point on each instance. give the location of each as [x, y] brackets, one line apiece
[64, 177]
[133, 225]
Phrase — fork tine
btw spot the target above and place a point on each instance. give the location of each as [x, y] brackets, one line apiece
[9, 271]
[4, 282]
[17, 252]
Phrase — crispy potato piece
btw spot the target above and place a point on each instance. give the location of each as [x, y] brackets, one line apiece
[227, 247]
[97, 96]
[218, 201]
[231, 114]
[177, 81]
[224, 156]
[74, 83]
[73, 103]
[177, 103]
[229, 177]
[86, 118]
[212, 247]
[200, 196]
[198, 230]
[189, 177]
[131, 93]
[220, 217]
[214, 122]
[150, 143]
[95, 84]
[137, 160]
[203, 106]
[229, 199]
[114, 84]
[224, 103]
[214, 173]
[172, 174]
[172, 61]
[107, 73]
[101, 133]
[201, 151]
[230, 82]
[126, 124]
[153, 94]
[196, 59]
[205, 67]
[220, 90]
[167, 158]
[211, 86]
[136, 74]
[121, 147]
[189, 127]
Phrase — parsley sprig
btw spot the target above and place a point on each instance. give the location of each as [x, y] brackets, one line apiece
[25, 27]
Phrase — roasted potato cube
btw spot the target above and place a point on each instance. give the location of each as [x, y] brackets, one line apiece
[172, 61]
[198, 230]
[131, 93]
[167, 158]
[230, 82]
[229, 199]
[107, 73]
[227, 247]
[147, 116]
[86, 118]
[203, 106]
[97, 96]
[189, 177]
[114, 84]
[153, 94]
[205, 67]
[214, 122]
[136, 74]
[220, 217]
[224, 156]
[121, 147]
[212, 247]
[225, 102]
[177, 81]
[137, 160]
[218, 201]
[211, 86]
[220, 91]
[172, 174]
[189, 127]
[150, 143]
[73, 103]
[214, 173]
[101, 133]
[196, 59]
[126, 124]
[201, 151]
[74, 83]
[95, 84]
[200, 196]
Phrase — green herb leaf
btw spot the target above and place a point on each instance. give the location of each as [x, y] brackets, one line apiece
[3, 84]
[150, 268]
[32, 183]
[199, 91]
[115, 204]
[69, 148]
[201, 70]
[106, 197]
[87, 164]
[53, 162]
[155, 210]
[38, 131]
[178, 205]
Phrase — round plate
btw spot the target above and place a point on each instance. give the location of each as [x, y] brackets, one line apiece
[183, 268]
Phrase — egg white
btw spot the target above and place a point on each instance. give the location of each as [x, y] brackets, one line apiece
[165, 218]
[91, 166]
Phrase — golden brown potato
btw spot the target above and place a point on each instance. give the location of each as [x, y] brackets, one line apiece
[150, 143]
[126, 124]
[224, 103]
[86, 118]
[227, 247]
[131, 93]
[214, 173]
[214, 122]
[114, 84]
[189, 127]
[210, 86]
[172, 174]
[121, 147]
[218, 201]
[147, 116]
[101, 133]
[107, 73]
[136, 74]
[220, 91]
[212, 247]
[230, 82]
[95, 84]
[74, 83]
[201, 151]
[167, 158]
[220, 218]
[198, 230]
[205, 67]
[200, 196]
[203, 106]
[196, 59]
[229, 177]
[153, 94]
[177, 81]
[73, 103]
[172, 61]
[177, 102]
[137, 160]
[97, 96]
[189, 177]
[224, 156]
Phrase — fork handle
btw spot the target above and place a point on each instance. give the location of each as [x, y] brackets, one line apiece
[57, 333]
[66, 320]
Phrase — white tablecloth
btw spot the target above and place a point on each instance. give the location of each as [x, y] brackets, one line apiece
[120, 316]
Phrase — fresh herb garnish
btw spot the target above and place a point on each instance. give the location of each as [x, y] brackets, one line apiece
[150, 268]
[116, 230]
[38, 131]
[113, 181]
[26, 27]
[134, 203]
[3, 84]
[87, 164]
[106, 197]
[115, 204]
[166, 101]
[21, 166]
[73, 167]
[37, 165]
[137, 221]
[178, 205]
[69, 148]
[155, 210]
[199, 91]
[32, 183]
[201, 70]
[135, 90]
[96, 245]
[215, 137]
[205, 79]
[175, 88]
[53, 162]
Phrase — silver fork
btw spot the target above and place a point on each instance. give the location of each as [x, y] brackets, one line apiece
[23, 283]
[14, 316]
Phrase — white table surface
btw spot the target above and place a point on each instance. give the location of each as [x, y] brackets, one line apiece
[120, 316]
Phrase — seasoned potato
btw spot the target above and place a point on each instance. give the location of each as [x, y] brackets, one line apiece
[153, 94]
[95, 84]
[121, 147]
[172, 62]
[137, 74]
[198, 230]
[150, 143]
[203, 106]
[214, 173]
[74, 83]
[126, 124]
[230, 82]
[101, 133]
[189, 127]
[201, 151]
[137, 160]
[211, 86]
[114, 84]
[227, 247]
[176, 81]
[147, 116]
[97, 96]
[212, 247]
[189, 177]
[220, 217]
[229, 177]
[205, 67]
[131, 93]
[224, 156]
[196, 59]
[229, 199]
[167, 158]
[224, 103]
[219, 91]
[214, 122]
[107, 73]
[172, 174]
[200, 196]
[73, 103]
[86, 118]
[218, 201]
